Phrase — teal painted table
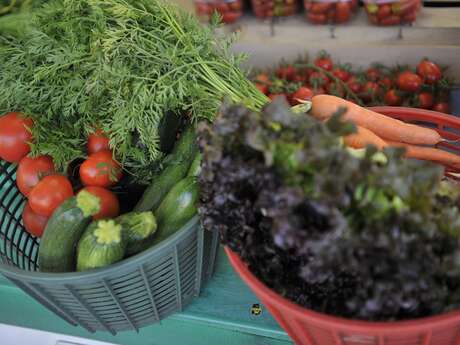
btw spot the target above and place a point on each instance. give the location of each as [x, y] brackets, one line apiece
[221, 316]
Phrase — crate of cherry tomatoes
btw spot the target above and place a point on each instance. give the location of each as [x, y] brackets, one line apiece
[330, 11]
[274, 8]
[229, 10]
[392, 12]
[423, 86]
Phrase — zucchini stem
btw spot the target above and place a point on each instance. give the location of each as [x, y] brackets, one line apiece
[107, 232]
[88, 203]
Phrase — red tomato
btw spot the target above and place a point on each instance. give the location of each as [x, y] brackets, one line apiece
[262, 88]
[318, 79]
[370, 91]
[409, 17]
[343, 12]
[33, 223]
[429, 71]
[286, 72]
[384, 11]
[303, 94]
[408, 81]
[100, 169]
[442, 107]
[355, 85]
[425, 100]
[49, 193]
[392, 98]
[372, 74]
[31, 170]
[14, 137]
[391, 20]
[342, 74]
[317, 18]
[231, 17]
[236, 5]
[324, 62]
[97, 141]
[320, 7]
[386, 82]
[110, 207]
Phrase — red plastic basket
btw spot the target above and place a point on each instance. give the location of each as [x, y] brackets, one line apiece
[307, 327]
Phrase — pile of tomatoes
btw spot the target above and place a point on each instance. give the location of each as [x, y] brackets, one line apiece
[274, 8]
[392, 12]
[230, 11]
[323, 12]
[45, 188]
[423, 87]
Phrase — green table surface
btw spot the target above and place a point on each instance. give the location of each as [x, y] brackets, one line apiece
[221, 316]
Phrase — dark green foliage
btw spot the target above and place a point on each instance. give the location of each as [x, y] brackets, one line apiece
[355, 237]
[122, 65]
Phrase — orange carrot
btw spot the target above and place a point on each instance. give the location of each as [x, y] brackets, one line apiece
[430, 154]
[323, 106]
[362, 138]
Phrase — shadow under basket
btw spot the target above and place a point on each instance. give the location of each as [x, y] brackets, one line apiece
[307, 327]
[128, 295]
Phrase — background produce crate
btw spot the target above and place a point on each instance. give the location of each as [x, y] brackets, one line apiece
[128, 295]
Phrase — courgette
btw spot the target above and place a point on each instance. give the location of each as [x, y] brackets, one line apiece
[195, 167]
[177, 165]
[139, 229]
[177, 208]
[101, 244]
[65, 227]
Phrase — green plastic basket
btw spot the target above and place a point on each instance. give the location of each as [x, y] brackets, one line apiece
[128, 295]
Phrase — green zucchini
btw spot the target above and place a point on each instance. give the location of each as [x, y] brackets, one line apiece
[65, 227]
[101, 244]
[139, 229]
[195, 167]
[177, 165]
[177, 208]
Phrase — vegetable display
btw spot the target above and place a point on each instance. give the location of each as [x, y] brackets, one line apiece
[331, 230]
[120, 66]
[424, 86]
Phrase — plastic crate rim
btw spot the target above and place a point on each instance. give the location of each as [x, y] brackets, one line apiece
[96, 274]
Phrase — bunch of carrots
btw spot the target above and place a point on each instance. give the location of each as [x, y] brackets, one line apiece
[383, 131]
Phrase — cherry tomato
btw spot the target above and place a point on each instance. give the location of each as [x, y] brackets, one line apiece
[429, 71]
[262, 88]
[324, 62]
[318, 79]
[319, 91]
[320, 7]
[392, 98]
[236, 5]
[371, 90]
[97, 141]
[222, 7]
[263, 78]
[409, 17]
[49, 193]
[372, 74]
[203, 8]
[425, 100]
[442, 107]
[14, 137]
[110, 207]
[391, 20]
[286, 72]
[302, 94]
[317, 18]
[408, 81]
[343, 12]
[386, 83]
[383, 11]
[33, 223]
[31, 170]
[355, 85]
[100, 169]
[342, 74]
